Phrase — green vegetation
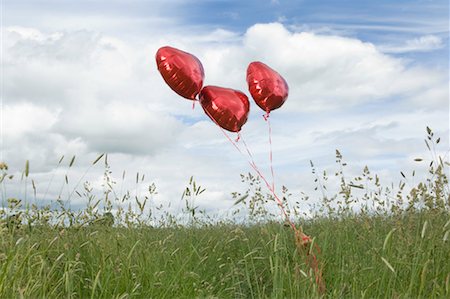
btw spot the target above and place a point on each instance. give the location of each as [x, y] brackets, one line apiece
[374, 242]
[362, 257]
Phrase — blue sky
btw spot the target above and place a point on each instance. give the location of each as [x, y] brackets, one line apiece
[380, 22]
[242, 14]
[365, 77]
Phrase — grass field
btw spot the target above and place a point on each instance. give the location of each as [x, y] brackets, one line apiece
[362, 257]
[398, 247]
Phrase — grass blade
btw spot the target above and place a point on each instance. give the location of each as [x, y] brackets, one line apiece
[72, 161]
[388, 237]
[388, 265]
[98, 158]
[27, 168]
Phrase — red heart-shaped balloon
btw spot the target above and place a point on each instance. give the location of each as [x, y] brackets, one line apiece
[182, 71]
[267, 87]
[227, 107]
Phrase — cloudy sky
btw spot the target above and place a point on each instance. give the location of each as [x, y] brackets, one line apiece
[79, 78]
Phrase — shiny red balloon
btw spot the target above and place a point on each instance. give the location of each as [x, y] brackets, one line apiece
[267, 87]
[183, 72]
[227, 107]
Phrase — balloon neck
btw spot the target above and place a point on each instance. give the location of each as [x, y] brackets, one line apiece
[196, 99]
[238, 137]
[266, 116]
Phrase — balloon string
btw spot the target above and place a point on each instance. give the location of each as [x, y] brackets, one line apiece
[272, 191]
[267, 119]
[253, 165]
[302, 239]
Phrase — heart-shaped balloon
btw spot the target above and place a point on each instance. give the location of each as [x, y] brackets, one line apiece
[182, 71]
[227, 107]
[267, 87]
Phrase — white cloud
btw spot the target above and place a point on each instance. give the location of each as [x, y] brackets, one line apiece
[323, 71]
[121, 127]
[26, 118]
[423, 43]
[101, 16]
[82, 92]
[94, 82]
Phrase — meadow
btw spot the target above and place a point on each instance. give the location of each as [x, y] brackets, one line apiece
[370, 241]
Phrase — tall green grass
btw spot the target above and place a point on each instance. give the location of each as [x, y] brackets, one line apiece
[363, 257]
[375, 241]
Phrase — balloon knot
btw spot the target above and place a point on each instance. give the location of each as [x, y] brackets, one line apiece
[238, 137]
[193, 104]
[266, 116]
